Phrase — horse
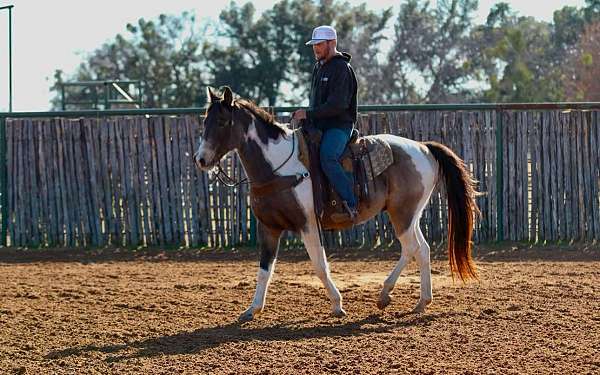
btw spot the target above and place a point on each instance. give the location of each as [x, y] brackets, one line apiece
[268, 151]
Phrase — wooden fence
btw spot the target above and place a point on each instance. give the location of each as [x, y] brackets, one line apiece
[130, 180]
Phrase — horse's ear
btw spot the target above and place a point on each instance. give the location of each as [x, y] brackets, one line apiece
[227, 96]
[210, 94]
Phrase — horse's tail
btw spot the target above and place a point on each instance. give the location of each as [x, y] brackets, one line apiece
[462, 208]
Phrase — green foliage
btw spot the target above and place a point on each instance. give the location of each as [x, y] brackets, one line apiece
[436, 53]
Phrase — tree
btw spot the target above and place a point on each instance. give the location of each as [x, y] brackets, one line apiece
[163, 54]
[520, 60]
[582, 69]
[265, 58]
[432, 44]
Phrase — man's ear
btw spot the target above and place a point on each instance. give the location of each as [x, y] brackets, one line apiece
[227, 96]
[210, 94]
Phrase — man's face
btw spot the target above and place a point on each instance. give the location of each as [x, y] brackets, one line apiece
[321, 49]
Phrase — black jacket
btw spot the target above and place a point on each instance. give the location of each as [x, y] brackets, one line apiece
[333, 94]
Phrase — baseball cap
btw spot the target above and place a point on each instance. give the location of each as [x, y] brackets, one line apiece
[321, 34]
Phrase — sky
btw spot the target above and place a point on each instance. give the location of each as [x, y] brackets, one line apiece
[50, 35]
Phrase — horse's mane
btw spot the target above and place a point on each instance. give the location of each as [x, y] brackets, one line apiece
[262, 115]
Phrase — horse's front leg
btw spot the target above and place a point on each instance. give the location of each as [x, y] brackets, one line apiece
[268, 244]
[316, 252]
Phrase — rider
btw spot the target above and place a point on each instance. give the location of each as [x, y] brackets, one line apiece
[332, 108]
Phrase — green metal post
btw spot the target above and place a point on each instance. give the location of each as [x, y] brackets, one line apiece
[499, 176]
[106, 96]
[10, 83]
[62, 97]
[140, 100]
[3, 183]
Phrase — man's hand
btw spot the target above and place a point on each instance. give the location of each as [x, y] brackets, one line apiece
[299, 115]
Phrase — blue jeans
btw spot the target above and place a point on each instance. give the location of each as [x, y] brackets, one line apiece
[333, 143]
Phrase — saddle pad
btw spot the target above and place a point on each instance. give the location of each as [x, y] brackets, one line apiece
[380, 155]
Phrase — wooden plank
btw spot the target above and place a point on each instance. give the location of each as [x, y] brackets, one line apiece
[62, 175]
[184, 163]
[133, 211]
[552, 156]
[587, 198]
[565, 175]
[70, 181]
[151, 182]
[532, 142]
[547, 210]
[42, 196]
[193, 185]
[116, 182]
[32, 186]
[53, 132]
[11, 145]
[580, 178]
[140, 181]
[82, 185]
[560, 203]
[123, 201]
[518, 218]
[595, 172]
[178, 174]
[160, 139]
[525, 179]
[104, 162]
[573, 171]
[20, 190]
[169, 187]
[93, 183]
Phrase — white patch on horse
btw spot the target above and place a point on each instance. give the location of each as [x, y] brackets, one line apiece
[262, 284]
[276, 151]
[412, 240]
[205, 151]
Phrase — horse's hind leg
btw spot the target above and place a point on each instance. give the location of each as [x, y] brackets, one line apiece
[268, 243]
[410, 245]
[413, 245]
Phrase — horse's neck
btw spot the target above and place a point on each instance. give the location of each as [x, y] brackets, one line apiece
[260, 160]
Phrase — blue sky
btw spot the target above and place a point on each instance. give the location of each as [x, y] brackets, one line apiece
[49, 35]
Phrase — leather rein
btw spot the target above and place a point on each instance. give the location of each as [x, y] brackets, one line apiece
[274, 185]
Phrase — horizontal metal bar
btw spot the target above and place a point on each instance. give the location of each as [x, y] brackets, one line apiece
[7, 7]
[96, 83]
[362, 108]
[80, 102]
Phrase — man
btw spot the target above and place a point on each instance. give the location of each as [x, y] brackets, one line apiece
[332, 108]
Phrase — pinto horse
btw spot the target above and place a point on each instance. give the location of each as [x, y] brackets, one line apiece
[268, 151]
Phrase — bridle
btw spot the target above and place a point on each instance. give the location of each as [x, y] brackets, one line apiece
[221, 176]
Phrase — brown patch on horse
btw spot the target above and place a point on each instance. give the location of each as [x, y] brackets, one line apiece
[271, 129]
[405, 190]
[278, 211]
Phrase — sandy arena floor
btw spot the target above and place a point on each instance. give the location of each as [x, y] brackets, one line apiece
[535, 311]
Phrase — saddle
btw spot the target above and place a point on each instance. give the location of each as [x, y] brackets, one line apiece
[364, 157]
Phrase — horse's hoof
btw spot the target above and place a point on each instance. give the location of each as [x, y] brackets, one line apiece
[421, 306]
[246, 316]
[384, 301]
[339, 313]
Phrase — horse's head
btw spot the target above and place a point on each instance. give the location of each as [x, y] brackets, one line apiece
[221, 133]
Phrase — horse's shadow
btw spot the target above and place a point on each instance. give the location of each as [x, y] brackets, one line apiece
[210, 337]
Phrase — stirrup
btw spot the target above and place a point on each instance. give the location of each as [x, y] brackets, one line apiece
[350, 214]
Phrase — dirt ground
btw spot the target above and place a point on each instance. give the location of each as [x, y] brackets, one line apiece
[535, 311]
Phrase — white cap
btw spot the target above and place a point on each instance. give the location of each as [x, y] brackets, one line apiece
[321, 34]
